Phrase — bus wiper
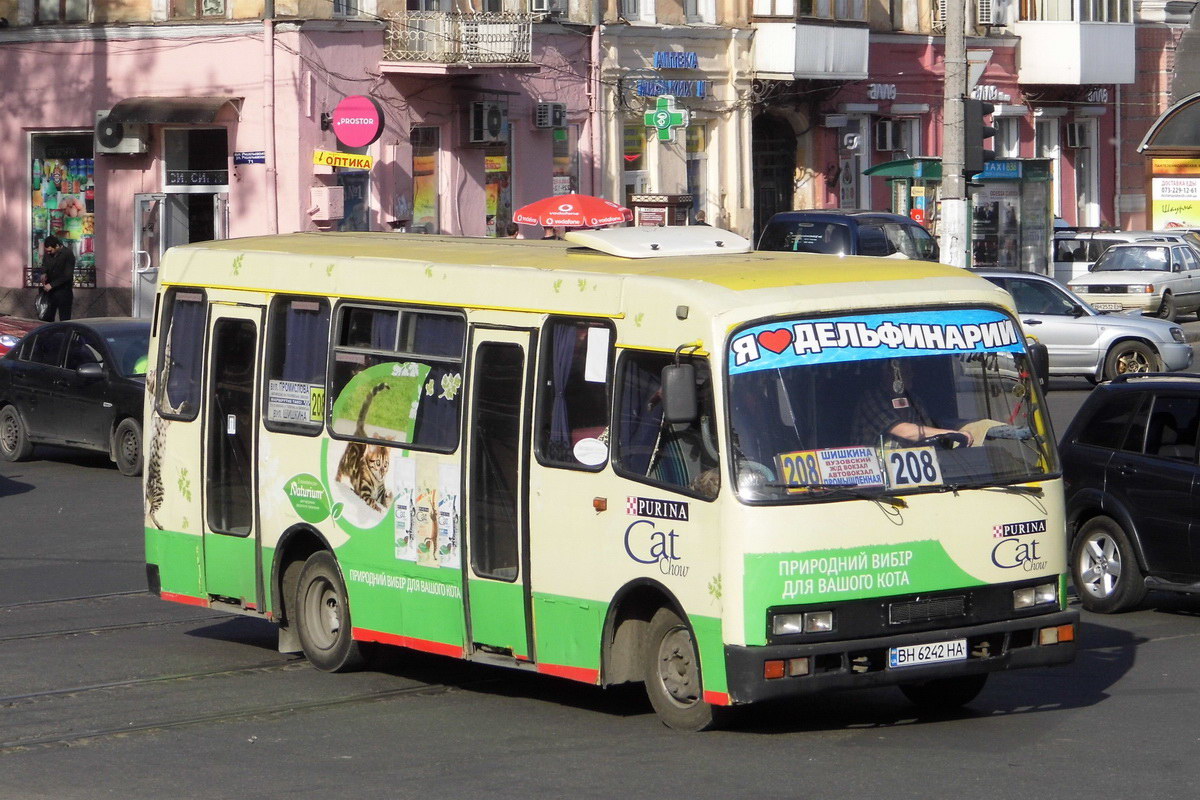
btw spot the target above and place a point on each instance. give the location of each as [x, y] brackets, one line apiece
[854, 490]
[1015, 488]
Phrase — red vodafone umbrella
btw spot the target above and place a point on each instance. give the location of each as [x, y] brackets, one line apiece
[572, 211]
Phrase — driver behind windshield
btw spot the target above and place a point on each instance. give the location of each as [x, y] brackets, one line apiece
[891, 411]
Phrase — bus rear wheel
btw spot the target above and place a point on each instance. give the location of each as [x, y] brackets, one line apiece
[323, 616]
[945, 694]
[672, 674]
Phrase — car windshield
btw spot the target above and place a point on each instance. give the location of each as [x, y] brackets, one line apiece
[830, 238]
[1157, 259]
[884, 404]
[129, 348]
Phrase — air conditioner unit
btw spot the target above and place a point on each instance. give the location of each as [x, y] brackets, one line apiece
[1077, 135]
[488, 123]
[550, 115]
[118, 138]
[543, 6]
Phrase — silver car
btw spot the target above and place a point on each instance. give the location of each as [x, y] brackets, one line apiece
[1159, 278]
[1084, 341]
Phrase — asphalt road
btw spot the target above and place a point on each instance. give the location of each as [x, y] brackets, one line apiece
[106, 691]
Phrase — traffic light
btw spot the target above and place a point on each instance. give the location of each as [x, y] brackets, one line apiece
[976, 132]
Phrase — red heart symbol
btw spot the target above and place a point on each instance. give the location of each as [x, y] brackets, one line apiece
[776, 341]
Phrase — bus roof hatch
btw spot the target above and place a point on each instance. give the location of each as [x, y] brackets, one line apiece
[656, 242]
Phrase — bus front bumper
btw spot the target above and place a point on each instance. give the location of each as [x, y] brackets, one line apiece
[1010, 644]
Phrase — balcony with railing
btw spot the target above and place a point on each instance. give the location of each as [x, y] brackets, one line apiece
[438, 38]
[1075, 42]
[818, 39]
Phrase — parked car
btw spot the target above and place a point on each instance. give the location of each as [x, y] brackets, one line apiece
[1083, 341]
[76, 384]
[12, 329]
[1130, 471]
[1075, 251]
[1152, 277]
[848, 233]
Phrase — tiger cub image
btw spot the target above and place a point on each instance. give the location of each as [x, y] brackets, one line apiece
[364, 467]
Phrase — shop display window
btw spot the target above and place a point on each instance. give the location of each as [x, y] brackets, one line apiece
[426, 145]
[63, 192]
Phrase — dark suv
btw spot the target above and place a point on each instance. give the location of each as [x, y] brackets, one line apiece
[848, 233]
[1130, 471]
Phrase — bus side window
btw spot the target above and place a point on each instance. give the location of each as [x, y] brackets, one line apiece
[397, 376]
[181, 356]
[297, 352]
[683, 456]
[573, 402]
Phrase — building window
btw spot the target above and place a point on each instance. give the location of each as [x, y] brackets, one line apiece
[774, 8]
[566, 160]
[633, 152]
[702, 11]
[1008, 136]
[426, 144]
[192, 9]
[51, 11]
[63, 190]
[637, 10]
[842, 10]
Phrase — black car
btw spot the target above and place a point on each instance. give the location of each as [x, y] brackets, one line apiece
[848, 233]
[76, 384]
[1130, 471]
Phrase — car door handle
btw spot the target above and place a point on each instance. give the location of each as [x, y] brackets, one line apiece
[1032, 321]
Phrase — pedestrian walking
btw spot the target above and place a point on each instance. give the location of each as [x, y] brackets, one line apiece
[58, 276]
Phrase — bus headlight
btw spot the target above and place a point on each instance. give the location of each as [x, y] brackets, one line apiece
[1035, 596]
[807, 622]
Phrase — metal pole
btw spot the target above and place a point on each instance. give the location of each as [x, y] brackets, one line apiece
[953, 219]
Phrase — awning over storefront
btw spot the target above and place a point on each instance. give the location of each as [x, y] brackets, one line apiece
[171, 110]
[921, 169]
[1176, 131]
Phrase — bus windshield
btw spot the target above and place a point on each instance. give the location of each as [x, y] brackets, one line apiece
[884, 404]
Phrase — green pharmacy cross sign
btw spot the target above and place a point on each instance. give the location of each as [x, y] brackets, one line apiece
[665, 118]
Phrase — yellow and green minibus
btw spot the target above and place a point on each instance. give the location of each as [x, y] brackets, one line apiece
[638, 455]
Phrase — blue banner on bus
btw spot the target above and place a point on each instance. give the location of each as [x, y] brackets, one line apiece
[791, 343]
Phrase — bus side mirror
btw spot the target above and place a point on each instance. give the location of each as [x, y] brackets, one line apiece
[679, 393]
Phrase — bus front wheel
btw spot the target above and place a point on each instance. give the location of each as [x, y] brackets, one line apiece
[323, 616]
[672, 674]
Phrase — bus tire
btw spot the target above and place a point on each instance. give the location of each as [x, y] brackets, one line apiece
[127, 447]
[323, 616]
[14, 440]
[945, 694]
[1105, 569]
[672, 674]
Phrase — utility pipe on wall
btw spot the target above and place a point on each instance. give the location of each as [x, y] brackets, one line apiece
[272, 209]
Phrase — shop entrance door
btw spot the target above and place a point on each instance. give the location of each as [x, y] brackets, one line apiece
[161, 221]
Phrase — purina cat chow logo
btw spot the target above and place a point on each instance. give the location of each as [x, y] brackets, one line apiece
[658, 509]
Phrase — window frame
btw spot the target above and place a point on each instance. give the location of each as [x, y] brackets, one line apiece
[337, 315]
[615, 455]
[278, 309]
[544, 396]
[165, 320]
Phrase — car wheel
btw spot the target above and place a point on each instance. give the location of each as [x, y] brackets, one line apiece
[127, 447]
[1105, 568]
[14, 441]
[1166, 309]
[1129, 357]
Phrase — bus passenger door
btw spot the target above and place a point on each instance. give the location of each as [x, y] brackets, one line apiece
[497, 491]
[231, 535]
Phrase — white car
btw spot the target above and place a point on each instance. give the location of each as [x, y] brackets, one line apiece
[1160, 278]
[1083, 341]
